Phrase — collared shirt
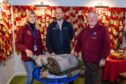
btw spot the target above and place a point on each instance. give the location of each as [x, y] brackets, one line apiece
[60, 22]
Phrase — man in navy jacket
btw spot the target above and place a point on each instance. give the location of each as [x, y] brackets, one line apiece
[59, 35]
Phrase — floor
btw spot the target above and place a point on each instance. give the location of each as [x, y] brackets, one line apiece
[21, 80]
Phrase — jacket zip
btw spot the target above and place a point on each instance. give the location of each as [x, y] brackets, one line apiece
[88, 39]
[61, 38]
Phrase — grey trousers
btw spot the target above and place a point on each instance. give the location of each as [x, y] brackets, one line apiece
[93, 73]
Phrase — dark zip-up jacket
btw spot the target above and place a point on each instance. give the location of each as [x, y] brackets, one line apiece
[58, 41]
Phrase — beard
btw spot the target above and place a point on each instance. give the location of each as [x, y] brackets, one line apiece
[59, 18]
[92, 24]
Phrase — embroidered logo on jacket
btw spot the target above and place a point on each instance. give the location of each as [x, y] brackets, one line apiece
[94, 35]
[29, 33]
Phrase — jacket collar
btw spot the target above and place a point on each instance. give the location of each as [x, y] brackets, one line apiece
[64, 21]
[28, 26]
[95, 27]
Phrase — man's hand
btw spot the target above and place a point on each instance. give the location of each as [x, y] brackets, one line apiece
[102, 62]
[52, 54]
[74, 53]
[29, 53]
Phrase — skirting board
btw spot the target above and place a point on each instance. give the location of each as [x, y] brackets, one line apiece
[16, 74]
[8, 82]
[20, 74]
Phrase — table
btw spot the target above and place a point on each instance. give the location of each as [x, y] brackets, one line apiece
[112, 68]
[36, 75]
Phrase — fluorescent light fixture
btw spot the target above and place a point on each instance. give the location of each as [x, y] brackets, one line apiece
[101, 6]
[41, 4]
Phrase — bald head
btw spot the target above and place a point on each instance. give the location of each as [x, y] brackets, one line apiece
[59, 13]
[92, 19]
